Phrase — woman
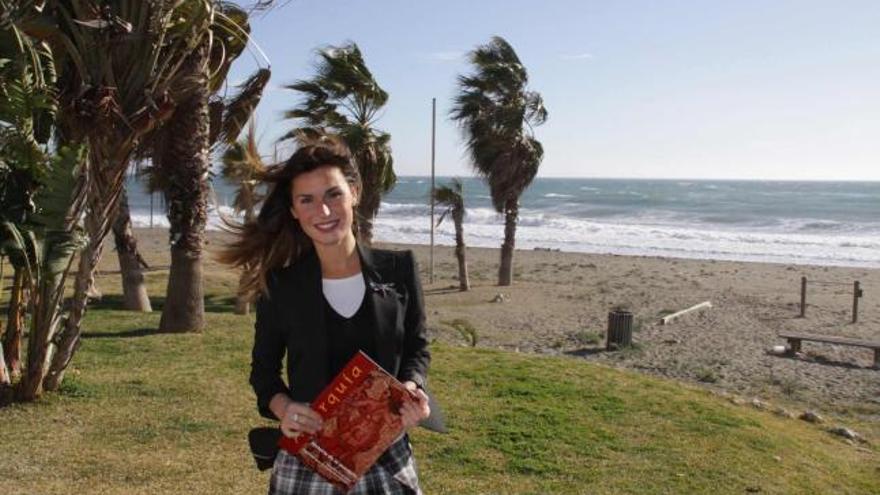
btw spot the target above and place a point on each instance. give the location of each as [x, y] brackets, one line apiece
[323, 297]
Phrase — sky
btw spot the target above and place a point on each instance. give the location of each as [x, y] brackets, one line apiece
[771, 89]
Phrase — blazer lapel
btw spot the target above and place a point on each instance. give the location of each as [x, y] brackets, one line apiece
[311, 328]
[382, 296]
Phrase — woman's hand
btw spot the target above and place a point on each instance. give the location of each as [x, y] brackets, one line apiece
[296, 417]
[412, 413]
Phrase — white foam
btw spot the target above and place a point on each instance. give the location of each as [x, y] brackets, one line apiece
[655, 235]
[577, 235]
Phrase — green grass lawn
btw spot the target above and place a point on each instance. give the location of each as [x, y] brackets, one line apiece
[148, 413]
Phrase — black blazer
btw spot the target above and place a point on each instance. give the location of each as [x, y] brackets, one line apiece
[291, 321]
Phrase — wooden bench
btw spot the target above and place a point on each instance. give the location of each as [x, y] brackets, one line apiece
[794, 343]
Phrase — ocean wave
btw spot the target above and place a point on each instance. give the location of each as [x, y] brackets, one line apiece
[862, 245]
[831, 223]
[590, 236]
[405, 209]
[485, 227]
[821, 226]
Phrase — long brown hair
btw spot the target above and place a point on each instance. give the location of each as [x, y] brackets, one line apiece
[276, 239]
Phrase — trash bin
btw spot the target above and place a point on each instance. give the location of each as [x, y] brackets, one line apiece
[620, 325]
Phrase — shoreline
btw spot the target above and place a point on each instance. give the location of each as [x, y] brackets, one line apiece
[559, 303]
[659, 256]
[808, 224]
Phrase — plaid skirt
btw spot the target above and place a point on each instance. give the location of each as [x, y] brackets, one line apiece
[394, 473]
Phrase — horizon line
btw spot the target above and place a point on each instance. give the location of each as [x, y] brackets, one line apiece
[725, 179]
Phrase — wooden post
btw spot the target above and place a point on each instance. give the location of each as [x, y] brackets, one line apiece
[803, 296]
[857, 293]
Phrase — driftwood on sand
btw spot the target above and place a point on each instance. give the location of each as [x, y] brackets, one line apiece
[666, 319]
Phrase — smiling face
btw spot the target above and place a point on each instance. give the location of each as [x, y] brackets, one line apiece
[323, 203]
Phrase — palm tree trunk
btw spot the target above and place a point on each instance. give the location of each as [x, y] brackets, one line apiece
[6, 390]
[69, 340]
[42, 332]
[185, 160]
[15, 323]
[45, 371]
[242, 304]
[366, 211]
[464, 282]
[505, 270]
[134, 291]
[370, 195]
[5, 378]
[103, 198]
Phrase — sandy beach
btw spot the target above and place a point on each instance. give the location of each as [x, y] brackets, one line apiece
[560, 301]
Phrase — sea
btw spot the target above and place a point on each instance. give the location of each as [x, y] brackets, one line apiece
[815, 223]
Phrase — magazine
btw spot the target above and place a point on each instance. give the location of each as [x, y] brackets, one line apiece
[360, 408]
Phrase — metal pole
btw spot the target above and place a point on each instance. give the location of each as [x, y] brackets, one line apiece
[803, 296]
[433, 139]
[857, 293]
[151, 210]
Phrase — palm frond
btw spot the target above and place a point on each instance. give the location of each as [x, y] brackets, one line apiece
[15, 243]
[230, 31]
[240, 108]
[62, 189]
[344, 99]
[443, 216]
[304, 135]
[60, 201]
[536, 114]
[451, 196]
[243, 165]
[496, 115]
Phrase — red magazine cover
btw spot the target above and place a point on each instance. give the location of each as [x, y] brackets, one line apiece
[361, 420]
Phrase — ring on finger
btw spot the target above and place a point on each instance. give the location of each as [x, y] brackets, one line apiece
[295, 418]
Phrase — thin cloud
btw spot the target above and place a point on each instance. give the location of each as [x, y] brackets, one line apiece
[447, 56]
[576, 56]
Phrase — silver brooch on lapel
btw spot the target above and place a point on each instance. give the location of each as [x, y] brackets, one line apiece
[381, 288]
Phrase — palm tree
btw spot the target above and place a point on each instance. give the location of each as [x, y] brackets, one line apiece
[497, 115]
[452, 197]
[23, 92]
[42, 196]
[182, 156]
[243, 165]
[42, 192]
[119, 65]
[227, 116]
[345, 99]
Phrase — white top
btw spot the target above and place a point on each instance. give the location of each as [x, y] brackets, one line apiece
[345, 294]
